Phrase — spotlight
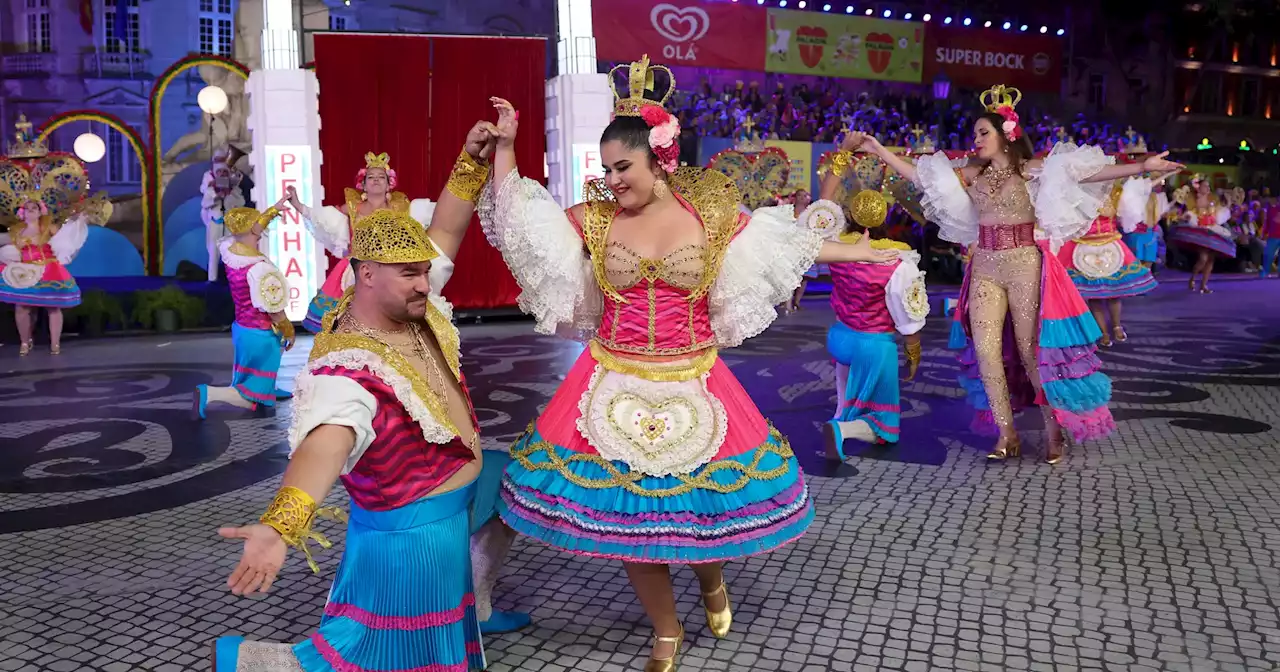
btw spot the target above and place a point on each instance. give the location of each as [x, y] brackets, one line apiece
[987, 24]
[1044, 29]
[826, 8]
[908, 16]
[848, 10]
[868, 12]
[783, 3]
[967, 20]
[1007, 25]
[888, 13]
[927, 17]
[1023, 28]
[1061, 32]
[947, 20]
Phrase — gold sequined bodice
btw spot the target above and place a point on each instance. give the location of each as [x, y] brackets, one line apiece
[682, 267]
[1001, 202]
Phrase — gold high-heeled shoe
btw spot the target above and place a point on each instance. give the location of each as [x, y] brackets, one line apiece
[55, 349]
[1007, 447]
[24, 349]
[665, 664]
[1056, 448]
[1118, 334]
[718, 621]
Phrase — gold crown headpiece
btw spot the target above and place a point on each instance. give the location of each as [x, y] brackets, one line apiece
[869, 208]
[241, 220]
[641, 77]
[26, 145]
[382, 161]
[391, 237]
[1135, 143]
[1000, 96]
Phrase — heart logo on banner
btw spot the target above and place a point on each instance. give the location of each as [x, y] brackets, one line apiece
[879, 51]
[679, 24]
[812, 40]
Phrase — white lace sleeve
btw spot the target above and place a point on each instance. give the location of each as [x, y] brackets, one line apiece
[544, 253]
[1066, 206]
[329, 227]
[332, 400]
[762, 267]
[267, 288]
[944, 200]
[10, 254]
[906, 296]
[1163, 206]
[66, 243]
[825, 217]
[1132, 208]
[1223, 216]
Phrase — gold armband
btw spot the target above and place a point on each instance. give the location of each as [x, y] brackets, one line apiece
[840, 162]
[468, 177]
[270, 214]
[292, 513]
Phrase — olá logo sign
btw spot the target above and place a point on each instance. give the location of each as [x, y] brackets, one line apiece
[681, 27]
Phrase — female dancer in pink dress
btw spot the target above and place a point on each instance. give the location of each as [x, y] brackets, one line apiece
[651, 452]
[1202, 230]
[33, 274]
[332, 226]
[1018, 209]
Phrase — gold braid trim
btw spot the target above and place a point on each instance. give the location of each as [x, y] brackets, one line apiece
[658, 372]
[629, 480]
[292, 513]
[468, 177]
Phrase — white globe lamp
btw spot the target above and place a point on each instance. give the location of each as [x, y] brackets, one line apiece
[89, 147]
[212, 99]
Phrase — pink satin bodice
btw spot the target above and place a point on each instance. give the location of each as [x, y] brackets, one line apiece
[1101, 227]
[36, 254]
[858, 295]
[247, 315]
[656, 316]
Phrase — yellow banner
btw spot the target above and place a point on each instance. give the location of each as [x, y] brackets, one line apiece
[835, 45]
[801, 155]
[1220, 176]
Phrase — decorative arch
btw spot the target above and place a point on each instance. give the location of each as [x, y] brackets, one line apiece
[152, 240]
[139, 146]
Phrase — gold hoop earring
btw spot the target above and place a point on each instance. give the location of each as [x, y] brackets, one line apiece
[660, 190]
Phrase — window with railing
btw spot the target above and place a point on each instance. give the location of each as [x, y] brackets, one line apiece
[121, 36]
[39, 24]
[216, 27]
[122, 162]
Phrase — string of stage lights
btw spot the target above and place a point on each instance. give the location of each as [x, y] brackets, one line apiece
[908, 16]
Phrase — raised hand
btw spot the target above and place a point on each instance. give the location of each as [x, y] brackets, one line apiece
[261, 560]
[1159, 164]
[291, 195]
[508, 121]
[477, 138]
[852, 141]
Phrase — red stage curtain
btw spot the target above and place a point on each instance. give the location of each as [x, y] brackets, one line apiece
[466, 71]
[415, 97]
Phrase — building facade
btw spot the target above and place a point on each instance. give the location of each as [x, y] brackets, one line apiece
[62, 55]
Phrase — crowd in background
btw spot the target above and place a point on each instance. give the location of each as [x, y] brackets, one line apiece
[817, 113]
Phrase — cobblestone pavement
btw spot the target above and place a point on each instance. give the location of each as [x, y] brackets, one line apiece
[1153, 550]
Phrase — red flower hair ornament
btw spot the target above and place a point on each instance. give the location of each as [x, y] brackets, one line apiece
[664, 130]
[1010, 125]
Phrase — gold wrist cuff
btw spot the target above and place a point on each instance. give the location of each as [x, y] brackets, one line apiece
[265, 218]
[285, 329]
[913, 353]
[292, 513]
[840, 162]
[468, 177]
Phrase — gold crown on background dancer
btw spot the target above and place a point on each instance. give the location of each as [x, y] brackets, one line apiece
[640, 78]
[26, 145]
[391, 237]
[1135, 143]
[869, 208]
[241, 220]
[1000, 96]
[382, 161]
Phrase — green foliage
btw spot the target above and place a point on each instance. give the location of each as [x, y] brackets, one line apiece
[190, 309]
[97, 304]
